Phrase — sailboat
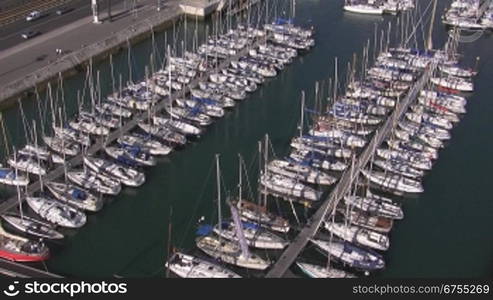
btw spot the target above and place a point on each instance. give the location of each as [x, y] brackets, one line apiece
[32, 226]
[21, 249]
[11, 177]
[62, 146]
[257, 213]
[361, 236]
[181, 126]
[145, 142]
[228, 251]
[71, 134]
[395, 182]
[253, 212]
[75, 196]
[361, 8]
[255, 235]
[88, 124]
[375, 206]
[56, 212]
[126, 175]
[94, 181]
[347, 253]
[188, 266]
[133, 156]
[300, 172]
[27, 164]
[366, 220]
[317, 271]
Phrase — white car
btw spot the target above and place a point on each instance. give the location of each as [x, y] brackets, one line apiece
[33, 16]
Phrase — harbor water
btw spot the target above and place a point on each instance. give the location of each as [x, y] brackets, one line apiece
[446, 231]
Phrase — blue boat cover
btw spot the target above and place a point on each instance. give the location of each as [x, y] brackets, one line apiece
[204, 229]
[281, 21]
[4, 172]
[78, 194]
[250, 225]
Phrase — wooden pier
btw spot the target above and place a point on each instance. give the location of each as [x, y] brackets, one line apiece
[344, 185]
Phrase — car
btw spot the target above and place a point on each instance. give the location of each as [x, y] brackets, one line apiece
[33, 16]
[29, 34]
[63, 10]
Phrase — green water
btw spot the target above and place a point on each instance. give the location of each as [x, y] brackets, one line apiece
[445, 233]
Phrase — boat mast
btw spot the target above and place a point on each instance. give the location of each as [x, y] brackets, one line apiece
[335, 81]
[218, 178]
[302, 113]
[4, 133]
[63, 147]
[169, 85]
[293, 9]
[37, 154]
[169, 238]
[24, 123]
[129, 61]
[112, 71]
[239, 179]
[266, 11]
[260, 171]
[18, 188]
[430, 32]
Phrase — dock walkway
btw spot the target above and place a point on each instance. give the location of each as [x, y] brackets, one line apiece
[343, 186]
[13, 269]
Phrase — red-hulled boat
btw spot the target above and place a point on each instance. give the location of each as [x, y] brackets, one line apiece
[17, 248]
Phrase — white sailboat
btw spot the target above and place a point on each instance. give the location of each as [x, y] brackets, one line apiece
[317, 271]
[188, 266]
[228, 251]
[359, 235]
[56, 212]
[126, 175]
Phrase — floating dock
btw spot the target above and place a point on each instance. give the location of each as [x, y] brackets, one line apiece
[13, 269]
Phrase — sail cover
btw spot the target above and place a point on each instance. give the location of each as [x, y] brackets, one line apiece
[239, 231]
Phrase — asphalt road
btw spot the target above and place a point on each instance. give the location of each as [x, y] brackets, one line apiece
[18, 61]
[10, 35]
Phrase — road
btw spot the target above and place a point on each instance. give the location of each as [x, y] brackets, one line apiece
[10, 35]
[18, 61]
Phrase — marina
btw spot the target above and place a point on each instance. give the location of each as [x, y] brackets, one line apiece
[181, 126]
